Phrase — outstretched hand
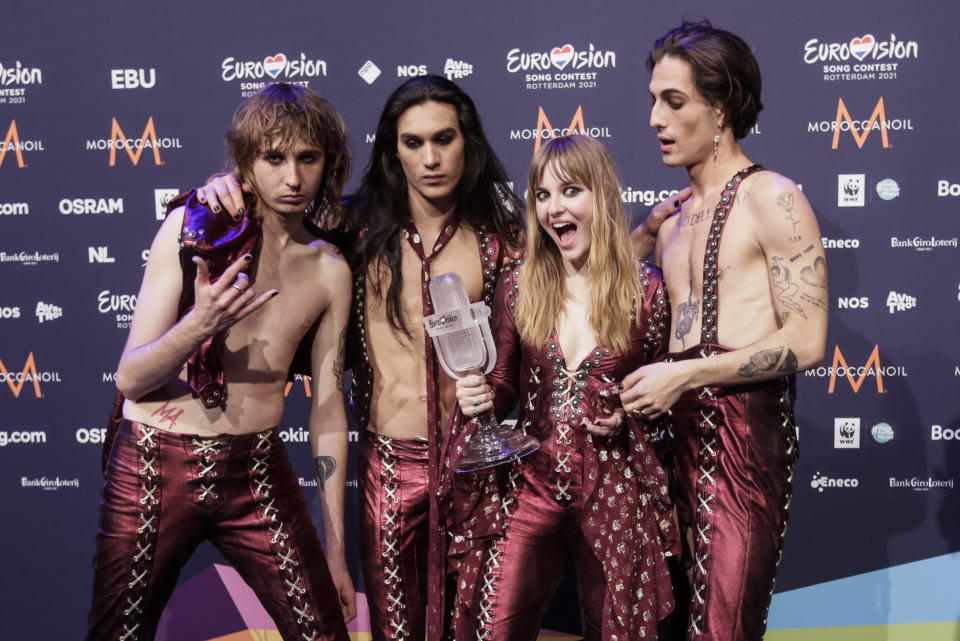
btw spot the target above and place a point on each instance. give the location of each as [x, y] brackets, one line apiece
[224, 190]
[221, 304]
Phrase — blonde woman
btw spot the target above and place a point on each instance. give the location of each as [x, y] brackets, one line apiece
[577, 316]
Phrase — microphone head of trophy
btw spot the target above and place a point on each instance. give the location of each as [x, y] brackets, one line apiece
[460, 329]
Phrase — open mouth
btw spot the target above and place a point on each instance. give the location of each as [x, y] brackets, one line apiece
[565, 232]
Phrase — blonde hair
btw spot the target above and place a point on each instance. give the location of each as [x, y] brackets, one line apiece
[615, 285]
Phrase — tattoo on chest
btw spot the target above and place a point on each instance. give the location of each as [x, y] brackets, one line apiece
[323, 468]
[341, 356]
[689, 220]
[786, 202]
[687, 313]
[167, 414]
[786, 289]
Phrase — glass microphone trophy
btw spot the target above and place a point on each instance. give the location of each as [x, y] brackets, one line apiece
[461, 335]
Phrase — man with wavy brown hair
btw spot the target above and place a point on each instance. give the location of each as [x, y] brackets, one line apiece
[197, 455]
[747, 314]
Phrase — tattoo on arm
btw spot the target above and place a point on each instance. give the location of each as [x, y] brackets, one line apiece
[789, 364]
[785, 202]
[341, 356]
[323, 468]
[762, 361]
[785, 287]
[816, 275]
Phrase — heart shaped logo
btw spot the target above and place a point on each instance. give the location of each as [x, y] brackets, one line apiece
[274, 65]
[561, 56]
[860, 47]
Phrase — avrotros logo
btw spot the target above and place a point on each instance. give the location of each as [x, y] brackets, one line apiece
[860, 58]
[28, 375]
[47, 312]
[872, 368]
[561, 67]
[134, 147]
[860, 130]
[15, 80]
[121, 305]
[546, 130]
[898, 302]
[13, 142]
[278, 67]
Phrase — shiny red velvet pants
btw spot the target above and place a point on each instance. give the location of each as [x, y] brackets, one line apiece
[524, 567]
[394, 495]
[736, 451]
[166, 493]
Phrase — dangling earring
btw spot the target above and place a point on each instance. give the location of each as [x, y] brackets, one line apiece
[716, 146]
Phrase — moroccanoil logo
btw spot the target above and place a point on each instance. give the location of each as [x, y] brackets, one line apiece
[305, 380]
[857, 376]
[29, 374]
[861, 129]
[546, 130]
[12, 142]
[134, 147]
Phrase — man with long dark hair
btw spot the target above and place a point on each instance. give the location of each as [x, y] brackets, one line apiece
[754, 310]
[434, 199]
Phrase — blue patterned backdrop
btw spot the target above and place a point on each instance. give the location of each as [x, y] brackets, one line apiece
[107, 108]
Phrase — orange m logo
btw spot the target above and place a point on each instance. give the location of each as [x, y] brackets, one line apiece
[872, 362]
[306, 387]
[12, 141]
[30, 367]
[543, 124]
[861, 136]
[134, 148]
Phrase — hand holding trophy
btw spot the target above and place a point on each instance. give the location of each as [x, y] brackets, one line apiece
[461, 335]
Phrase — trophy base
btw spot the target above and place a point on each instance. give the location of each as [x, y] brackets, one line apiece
[491, 449]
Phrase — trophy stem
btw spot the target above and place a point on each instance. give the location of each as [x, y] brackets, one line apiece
[493, 444]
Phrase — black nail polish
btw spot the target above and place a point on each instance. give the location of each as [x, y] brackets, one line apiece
[216, 209]
[676, 204]
[247, 257]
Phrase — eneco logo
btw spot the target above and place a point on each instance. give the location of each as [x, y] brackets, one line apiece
[29, 374]
[861, 129]
[546, 130]
[12, 142]
[134, 146]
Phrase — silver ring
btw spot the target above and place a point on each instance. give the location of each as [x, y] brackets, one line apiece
[619, 421]
[237, 287]
[476, 400]
[476, 412]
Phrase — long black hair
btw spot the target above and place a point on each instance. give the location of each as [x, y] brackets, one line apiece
[380, 207]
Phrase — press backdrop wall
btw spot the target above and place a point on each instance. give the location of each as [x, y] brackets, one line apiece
[107, 108]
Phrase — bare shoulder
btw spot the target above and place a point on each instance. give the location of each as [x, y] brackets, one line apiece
[769, 189]
[332, 267]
